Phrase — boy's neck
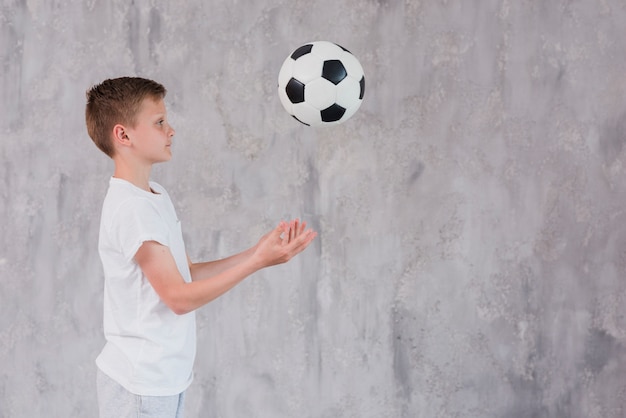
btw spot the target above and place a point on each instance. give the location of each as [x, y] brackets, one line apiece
[138, 176]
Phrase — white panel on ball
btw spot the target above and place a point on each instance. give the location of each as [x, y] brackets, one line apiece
[285, 72]
[306, 113]
[346, 91]
[320, 93]
[328, 50]
[352, 65]
[284, 100]
[308, 68]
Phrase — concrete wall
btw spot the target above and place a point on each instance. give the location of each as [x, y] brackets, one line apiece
[471, 260]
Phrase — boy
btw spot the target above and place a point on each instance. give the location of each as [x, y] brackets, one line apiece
[151, 286]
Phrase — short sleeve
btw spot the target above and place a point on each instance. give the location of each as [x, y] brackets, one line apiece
[137, 221]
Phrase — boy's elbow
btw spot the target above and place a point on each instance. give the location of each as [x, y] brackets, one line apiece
[179, 307]
[177, 303]
[181, 310]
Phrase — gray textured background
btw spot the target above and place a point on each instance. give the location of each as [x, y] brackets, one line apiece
[472, 249]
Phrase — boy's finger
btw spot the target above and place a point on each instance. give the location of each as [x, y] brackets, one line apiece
[279, 230]
[304, 240]
[285, 231]
[292, 231]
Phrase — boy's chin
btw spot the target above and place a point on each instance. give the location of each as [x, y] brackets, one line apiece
[162, 160]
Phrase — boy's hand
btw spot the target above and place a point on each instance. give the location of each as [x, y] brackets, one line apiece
[283, 243]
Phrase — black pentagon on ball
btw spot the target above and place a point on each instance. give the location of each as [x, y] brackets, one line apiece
[295, 91]
[362, 84]
[334, 71]
[303, 50]
[332, 113]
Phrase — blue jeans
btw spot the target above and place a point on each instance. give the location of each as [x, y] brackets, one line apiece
[116, 402]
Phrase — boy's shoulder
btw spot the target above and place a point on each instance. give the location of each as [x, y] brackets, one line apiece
[122, 194]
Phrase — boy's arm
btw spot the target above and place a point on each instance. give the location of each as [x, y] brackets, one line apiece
[208, 269]
[157, 263]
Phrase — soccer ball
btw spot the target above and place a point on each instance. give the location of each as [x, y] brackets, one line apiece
[321, 84]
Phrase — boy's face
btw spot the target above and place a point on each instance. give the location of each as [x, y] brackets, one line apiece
[151, 137]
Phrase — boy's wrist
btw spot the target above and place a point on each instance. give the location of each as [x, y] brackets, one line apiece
[255, 261]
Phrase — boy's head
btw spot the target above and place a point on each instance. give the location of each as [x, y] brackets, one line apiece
[117, 101]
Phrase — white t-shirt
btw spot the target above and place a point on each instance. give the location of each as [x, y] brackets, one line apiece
[149, 350]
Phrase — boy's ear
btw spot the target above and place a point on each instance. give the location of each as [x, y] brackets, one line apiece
[119, 135]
